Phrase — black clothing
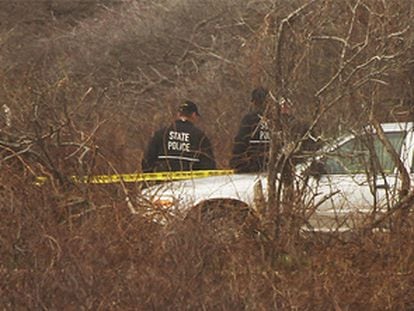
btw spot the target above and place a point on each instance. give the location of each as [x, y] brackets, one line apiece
[252, 142]
[292, 131]
[179, 147]
[251, 145]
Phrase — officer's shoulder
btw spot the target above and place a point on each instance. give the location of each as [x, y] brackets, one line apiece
[161, 130]
[250, 117]
[197, 129]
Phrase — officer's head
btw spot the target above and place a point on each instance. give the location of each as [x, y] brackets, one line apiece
[188, 110]
[258, 97]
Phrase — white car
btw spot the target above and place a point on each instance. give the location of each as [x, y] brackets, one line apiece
[358, 177]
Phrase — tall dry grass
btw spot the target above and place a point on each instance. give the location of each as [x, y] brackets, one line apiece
[65, 250]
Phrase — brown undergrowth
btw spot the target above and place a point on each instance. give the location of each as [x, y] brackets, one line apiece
[83, 249]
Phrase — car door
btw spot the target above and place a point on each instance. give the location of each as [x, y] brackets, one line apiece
[359, 174]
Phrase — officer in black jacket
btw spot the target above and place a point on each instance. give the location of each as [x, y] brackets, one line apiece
[180, 146]
[251, 144]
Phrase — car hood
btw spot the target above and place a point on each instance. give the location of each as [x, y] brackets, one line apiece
[193, 191]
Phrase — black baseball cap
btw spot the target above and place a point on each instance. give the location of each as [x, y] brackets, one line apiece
[189, 107]
[259, 95]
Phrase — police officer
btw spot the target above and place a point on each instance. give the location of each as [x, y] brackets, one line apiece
[181, 146]
[251, 144]
[294, 130]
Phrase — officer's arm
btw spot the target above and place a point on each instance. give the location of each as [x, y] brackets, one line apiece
[152, 152]
[241, 142]
[207, 159]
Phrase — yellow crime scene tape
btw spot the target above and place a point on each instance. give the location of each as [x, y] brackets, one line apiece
[139, 177]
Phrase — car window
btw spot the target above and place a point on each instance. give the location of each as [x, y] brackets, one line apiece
[363, 154]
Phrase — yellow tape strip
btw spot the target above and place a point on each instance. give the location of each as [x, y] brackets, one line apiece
[158, 176]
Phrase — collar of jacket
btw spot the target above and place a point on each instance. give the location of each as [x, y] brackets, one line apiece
[183, 120]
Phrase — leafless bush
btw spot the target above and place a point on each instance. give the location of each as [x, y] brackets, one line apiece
[335, 61]
[87, 82]
[55, 255]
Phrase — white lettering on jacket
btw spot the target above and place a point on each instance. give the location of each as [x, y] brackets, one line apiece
[261, 134]
[264, 135]
[178, 141]
[181, 136]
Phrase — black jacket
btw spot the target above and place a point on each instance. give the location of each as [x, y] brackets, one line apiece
[179, 147]
[251, 145]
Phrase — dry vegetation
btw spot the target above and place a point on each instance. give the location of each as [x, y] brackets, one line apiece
[88, 81]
